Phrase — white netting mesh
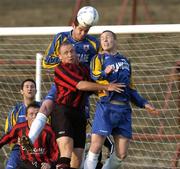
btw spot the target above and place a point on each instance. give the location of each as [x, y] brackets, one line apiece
[154, 59]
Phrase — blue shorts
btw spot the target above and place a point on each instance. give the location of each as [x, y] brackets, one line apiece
[52, 93]
[112, 119]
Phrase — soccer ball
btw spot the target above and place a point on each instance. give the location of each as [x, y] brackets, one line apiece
[87, 16]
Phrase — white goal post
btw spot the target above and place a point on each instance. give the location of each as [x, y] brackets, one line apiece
[154, 51]
[120, 29]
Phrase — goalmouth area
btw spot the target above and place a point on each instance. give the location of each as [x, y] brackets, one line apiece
[154, 52]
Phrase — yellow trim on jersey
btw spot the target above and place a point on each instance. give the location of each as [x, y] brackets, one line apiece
[93, 44]
[6, 125]
[102, 93]
[96, 66]
[54, 54]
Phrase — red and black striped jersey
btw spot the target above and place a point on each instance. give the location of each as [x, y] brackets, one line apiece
[67, 76]
[45, 147]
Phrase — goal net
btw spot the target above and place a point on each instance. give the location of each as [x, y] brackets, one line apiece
[154, 52]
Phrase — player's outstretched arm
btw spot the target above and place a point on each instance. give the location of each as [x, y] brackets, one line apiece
[91, 86]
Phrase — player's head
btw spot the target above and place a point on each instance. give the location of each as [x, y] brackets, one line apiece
[28, 88]
[108, 41]
[79, 32]
[67, 53]
[31, 112]
[86, 17]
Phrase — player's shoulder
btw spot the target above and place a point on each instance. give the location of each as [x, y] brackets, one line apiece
[61, 35]
[18, 106]
[92, 38]
[100, 55]
[20, 125]
[123, 57]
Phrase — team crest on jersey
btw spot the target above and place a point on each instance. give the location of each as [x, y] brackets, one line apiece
[86, 47]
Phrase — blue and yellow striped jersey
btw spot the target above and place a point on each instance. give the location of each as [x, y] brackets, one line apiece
[121, 74]
[16, 115]
[85, 49]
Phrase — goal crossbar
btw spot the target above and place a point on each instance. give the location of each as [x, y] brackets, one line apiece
[124, 29]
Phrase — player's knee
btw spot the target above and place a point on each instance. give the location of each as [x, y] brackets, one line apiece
[95, 147]
[122, 156]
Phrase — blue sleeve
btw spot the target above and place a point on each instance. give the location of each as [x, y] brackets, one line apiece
[11, 119]
[137, 99]
[52, 93]
[51, 58]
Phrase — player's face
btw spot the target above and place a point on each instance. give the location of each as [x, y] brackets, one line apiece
[107, 41]
[31, 115]
[79, 32]
[68, 54]
[29, 90]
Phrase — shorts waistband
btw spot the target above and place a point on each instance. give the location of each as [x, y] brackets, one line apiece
[116, 102]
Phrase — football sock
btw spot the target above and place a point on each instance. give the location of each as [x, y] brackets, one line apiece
[112, 163]
[37, 126]
[91, 160]
[63, 163]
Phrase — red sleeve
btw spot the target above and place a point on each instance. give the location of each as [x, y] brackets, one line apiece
[11, 136]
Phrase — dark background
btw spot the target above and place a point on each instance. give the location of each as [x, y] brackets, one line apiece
[58, 12]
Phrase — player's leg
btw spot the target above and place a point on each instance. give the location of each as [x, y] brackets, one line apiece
[39, 122]
[77, 157]
[65, 145]
[93, 154]
[100, 129]
[122, 132]
[78, 123]
[61, 126]
[44, 111]
[120, 153]
[109, 144]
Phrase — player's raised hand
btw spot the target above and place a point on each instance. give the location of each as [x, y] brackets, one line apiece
[151, 109]
[108, 69]
[118, 87]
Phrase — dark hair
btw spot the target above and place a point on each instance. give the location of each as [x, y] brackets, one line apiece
[34, 105]
[76, 23]
[114, 35]
[27, 80]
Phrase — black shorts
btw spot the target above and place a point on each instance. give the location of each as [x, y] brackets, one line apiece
[31, 165]
[28, 164]
[71, 122]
